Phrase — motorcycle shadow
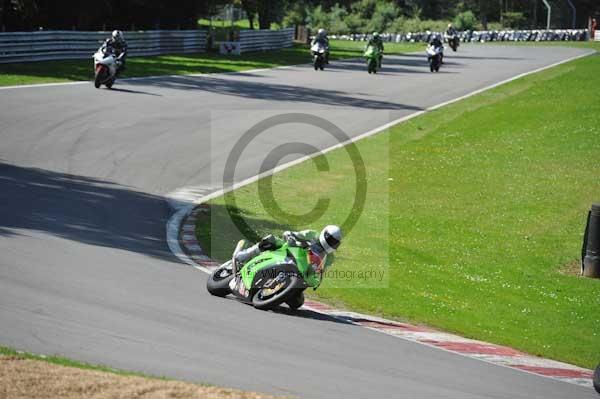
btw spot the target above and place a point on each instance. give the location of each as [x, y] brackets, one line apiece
[121, 90]
[309, 314]
[302, 313]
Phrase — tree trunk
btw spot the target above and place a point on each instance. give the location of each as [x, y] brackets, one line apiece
[483, 14]
[6, 11]
[251, 20]
[264, 14]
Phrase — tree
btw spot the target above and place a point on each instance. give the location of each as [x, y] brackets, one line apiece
[383, 16]
[250, 8]
[465, 21]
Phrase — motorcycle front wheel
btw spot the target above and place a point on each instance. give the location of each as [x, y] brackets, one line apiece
[372, 66]
[597, 379]
[218, 281]
[269, 298]
[98, 79]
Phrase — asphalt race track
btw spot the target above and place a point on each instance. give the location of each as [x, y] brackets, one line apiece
[85, 271]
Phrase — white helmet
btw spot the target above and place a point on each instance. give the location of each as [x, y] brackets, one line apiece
[330, 238]
[375, 34]
[321, 32]
[117, 35]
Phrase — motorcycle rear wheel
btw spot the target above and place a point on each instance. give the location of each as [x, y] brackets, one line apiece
[218, 281]
[283, 295]
[110, 83]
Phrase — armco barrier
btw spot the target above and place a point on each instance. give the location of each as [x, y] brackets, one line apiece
[482, 36]
[61, 45]
[597, 37]
[260, 40]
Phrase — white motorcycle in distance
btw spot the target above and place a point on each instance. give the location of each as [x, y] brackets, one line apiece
[319, 52]
[105, 67]
[453, 41]
[434, 57]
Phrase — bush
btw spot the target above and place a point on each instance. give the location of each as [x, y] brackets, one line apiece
[355, 24]
[494, 26]
[319, 18]
[402, 24]
[434, 26]
[514, 20]
[465, 21]
[364, 8]
[297, 14]
[337, 20]
[383, 17]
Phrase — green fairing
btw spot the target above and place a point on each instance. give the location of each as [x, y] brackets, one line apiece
[372, 52]
[278, 256]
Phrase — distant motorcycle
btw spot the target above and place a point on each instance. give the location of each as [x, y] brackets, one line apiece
[453, 41]
[319, 52]
[105, 67]
[372, 54]
[434, 57]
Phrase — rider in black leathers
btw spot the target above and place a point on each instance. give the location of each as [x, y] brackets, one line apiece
[119, 45]
[436, 41]
[323, 40]
[451, 31]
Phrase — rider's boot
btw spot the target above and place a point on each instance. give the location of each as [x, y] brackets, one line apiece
[245, 255]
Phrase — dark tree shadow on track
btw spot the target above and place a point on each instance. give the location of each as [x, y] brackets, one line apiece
[391, 65]
[82, 209]
[457, 55]
[271, 92]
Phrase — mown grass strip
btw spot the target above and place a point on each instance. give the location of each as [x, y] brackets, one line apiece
[177, 64]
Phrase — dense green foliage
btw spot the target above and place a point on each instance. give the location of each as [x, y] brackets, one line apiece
[339, 16]
[363, 16]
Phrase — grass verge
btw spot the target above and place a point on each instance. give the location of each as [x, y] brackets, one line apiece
[177, 64]
[61, 361]
[24, 375]
[479, 208]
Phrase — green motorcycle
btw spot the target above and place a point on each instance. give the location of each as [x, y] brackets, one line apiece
[270, 279]
[372, 54]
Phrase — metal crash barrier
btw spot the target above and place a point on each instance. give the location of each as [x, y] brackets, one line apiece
[62, 45]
